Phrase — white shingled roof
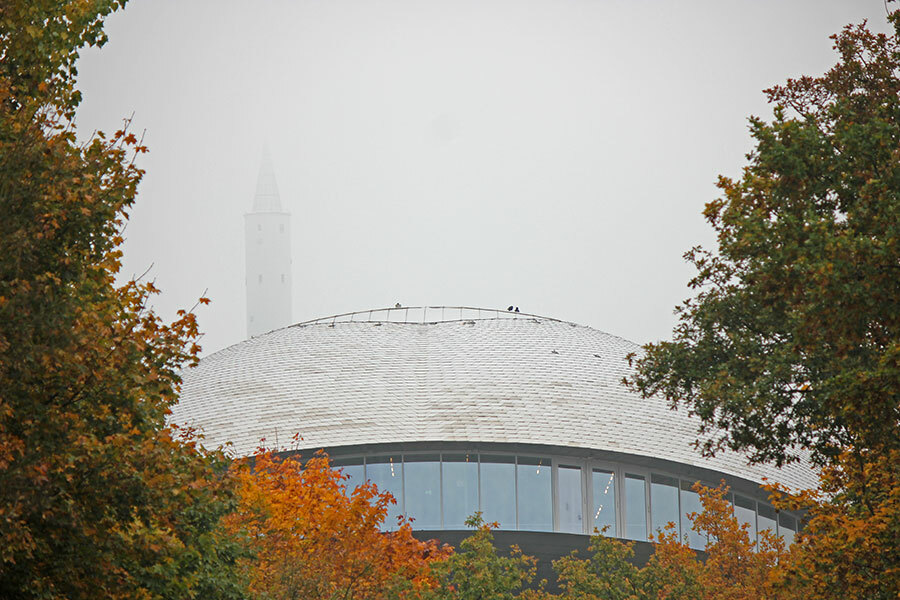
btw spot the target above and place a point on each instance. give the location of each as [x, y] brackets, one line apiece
[508, 379]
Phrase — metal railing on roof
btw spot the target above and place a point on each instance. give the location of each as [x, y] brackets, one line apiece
[423, 314]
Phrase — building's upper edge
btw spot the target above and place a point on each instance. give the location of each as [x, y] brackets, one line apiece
[424, 315]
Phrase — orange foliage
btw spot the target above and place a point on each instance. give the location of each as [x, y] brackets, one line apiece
[850, 548]
[736, 568]
[313, 540]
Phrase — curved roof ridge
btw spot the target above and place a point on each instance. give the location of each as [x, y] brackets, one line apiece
[420, 314]
[498, 314]
[521, 380]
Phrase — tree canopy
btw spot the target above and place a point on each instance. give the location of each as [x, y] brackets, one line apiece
[98, 497]
[315, 539]
[792, 342]
[793, 339]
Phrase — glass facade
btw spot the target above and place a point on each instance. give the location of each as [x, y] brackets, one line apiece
[543, 493]
[535, 496]
[745, 512]
[603, 485]
[766, 518]
[787, 528]
[571, 519]
[353, 470]
[635, 507]
[387, 473]
[664, 503]
[460, 489]
[422, 498]
[690, 503]
[498, 490]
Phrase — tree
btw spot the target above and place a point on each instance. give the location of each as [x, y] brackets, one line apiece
[735, 567]
[849, 549]
[477, 572]
[793, 339]
[792, 342]
[98, 497]
[316, 540]
[608, 573]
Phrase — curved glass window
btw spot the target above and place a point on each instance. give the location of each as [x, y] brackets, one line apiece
[690, 503]
[387, 473]
[787, 528]
[535, 495]
[353, 470]
[664, 503]
[635, 507]
[498, 490]
[603, 485]
[568, 481]
[745, 512]
[460, 489]
[532, 493]
[765, 518]
[422, 485]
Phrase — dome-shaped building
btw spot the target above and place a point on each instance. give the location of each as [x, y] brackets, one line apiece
[455, 410]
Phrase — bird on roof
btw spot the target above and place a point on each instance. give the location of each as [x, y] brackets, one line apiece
[517, 309]
[397, 305]
[510, 308]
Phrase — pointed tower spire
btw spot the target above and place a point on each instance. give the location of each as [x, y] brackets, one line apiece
[267, 231]
[266, 198]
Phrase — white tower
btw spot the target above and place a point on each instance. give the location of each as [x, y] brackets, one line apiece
[267, 237]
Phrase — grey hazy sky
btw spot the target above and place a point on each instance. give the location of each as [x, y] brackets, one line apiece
[555, 155]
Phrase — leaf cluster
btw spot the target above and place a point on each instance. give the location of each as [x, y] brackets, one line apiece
[733, 567]
[477, 572]
[792, 342]
[98, 497]
[315, 539]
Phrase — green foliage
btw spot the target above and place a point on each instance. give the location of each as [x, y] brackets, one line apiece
[735, 568]
[98, 498]
[477, 572]
[39, 44]
[793, 339]
[607, 574]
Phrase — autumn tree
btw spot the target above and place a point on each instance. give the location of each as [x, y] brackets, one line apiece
[735, 567]
[850, 548]
[98, 497]
[476, 571]
[792, 342]
[793, 339]
[609, 573]
[315, 540]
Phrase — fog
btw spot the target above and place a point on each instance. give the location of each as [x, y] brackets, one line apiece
[555, 155]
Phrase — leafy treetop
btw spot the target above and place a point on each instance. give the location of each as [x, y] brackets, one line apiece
[793, 339]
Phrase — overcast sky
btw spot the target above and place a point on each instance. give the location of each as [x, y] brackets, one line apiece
[551, 154]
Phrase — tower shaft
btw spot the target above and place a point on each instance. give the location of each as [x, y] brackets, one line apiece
[267, 238]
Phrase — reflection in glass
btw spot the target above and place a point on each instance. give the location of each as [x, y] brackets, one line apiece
[690, 503]
[787, 528]
[568, 481]
[635, 507]
[460, 489]
[663, 502]
[745, 512]
[498, 490]
[387, 473]
[422, 490]
[535, 494]
[353, 471]
[765, 518]
[604, 509]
